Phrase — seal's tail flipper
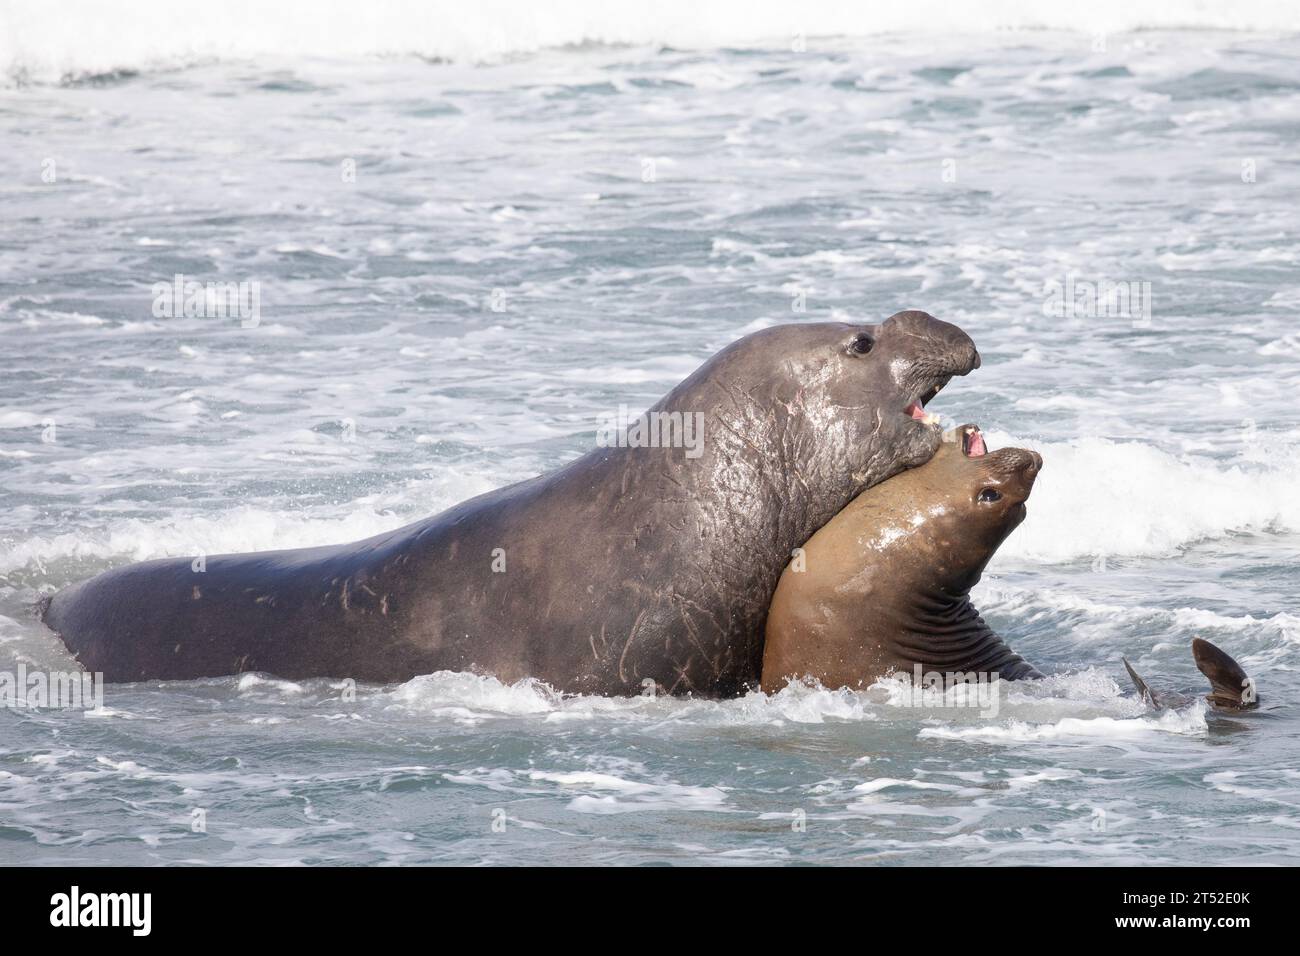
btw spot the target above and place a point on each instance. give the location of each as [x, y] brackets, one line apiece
[1145, 692]
[1232, 688]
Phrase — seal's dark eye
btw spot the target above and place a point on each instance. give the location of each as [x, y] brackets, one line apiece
[990, 494]
[861, 345]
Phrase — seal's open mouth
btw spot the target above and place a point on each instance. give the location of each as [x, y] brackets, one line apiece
[917, 411]
[972, 443]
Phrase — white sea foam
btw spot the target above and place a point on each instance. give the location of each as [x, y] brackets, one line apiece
[597, 792]
[613, 794]
[241, 529]
[1190, 720]
[471, 699]
[1264, 784]
[79, 37]
[1147, 619]
[1099, 497]
[889, 783]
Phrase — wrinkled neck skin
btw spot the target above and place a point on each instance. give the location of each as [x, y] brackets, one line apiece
[775, 467]
[950, 636]
[941, 630]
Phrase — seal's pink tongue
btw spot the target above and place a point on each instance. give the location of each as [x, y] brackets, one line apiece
[916, 411]
[977, 448]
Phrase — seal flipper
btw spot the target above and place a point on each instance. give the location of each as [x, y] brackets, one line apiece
[1232, 688]
[1145, 692]
[1019, 669]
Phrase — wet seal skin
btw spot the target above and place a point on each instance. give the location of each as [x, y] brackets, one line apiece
[1231, 689]
[627, 567]
[885, 585]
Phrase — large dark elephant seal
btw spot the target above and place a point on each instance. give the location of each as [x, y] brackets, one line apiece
[629, 564]
[885, 585]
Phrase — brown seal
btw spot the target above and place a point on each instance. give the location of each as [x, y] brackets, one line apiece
[885, 585]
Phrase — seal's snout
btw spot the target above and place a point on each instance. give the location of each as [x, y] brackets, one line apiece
[1023, 462]
[1034, 465]
[1025, 466]
[1014, 471]
[941, 345]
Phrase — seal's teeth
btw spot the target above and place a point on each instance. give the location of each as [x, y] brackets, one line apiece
[931, 418]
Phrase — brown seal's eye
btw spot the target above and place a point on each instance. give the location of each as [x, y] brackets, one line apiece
[990, 494]
[861, 345]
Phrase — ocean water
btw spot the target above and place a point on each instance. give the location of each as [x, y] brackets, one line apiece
[566, 215]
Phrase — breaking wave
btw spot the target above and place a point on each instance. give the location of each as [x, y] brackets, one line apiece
[40, 42]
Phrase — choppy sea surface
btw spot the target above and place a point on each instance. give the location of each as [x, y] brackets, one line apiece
[531, 242]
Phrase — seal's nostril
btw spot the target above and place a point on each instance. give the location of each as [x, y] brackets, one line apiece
[1028, 464]
[977, 360]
